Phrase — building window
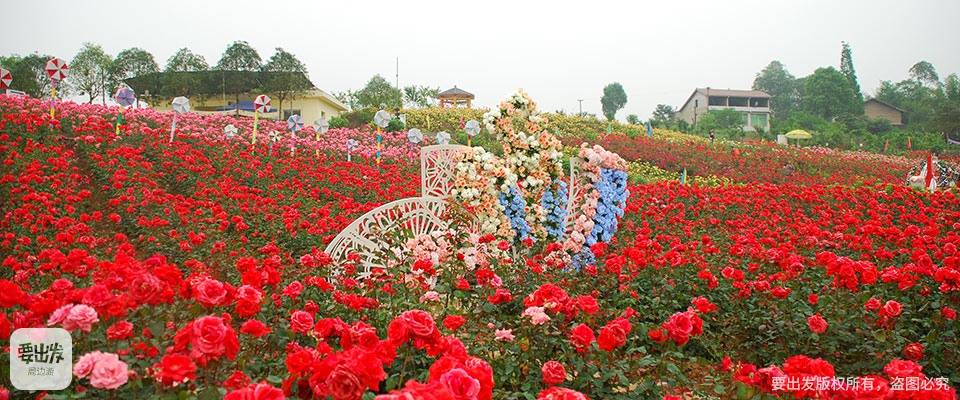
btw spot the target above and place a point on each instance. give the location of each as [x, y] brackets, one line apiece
[289, 113]
[717, 101]
[758, 121]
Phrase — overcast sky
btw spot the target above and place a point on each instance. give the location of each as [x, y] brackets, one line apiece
[559, 51]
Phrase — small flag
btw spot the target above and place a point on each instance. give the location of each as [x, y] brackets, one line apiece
[886, 146]
[683, 177]
[908, 142]
[649, 129]
[928, 175]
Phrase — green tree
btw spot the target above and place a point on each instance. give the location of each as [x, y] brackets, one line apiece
[180, 77]
[185, 60]
[349, 98]
[951, 88]
[664, 113]
[29, 74]
[238, 66]
[787, 93]
[614, 98]
[379, 93]
[727, 119]
[91, 71]
[134, 62]
[846, 68]
[924, 73]
[633, 119]
[286, 77]
[828, 93]
[419, 96]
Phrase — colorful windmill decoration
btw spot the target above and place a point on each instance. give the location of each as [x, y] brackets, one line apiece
[294, 124]
[274, 138]
[229, 132]
[320, 126]
[351, 146]
[5, 79]
[57, 70]
[381, 119]
[472, 128]
[261, 104]
[124, 98]
[443, 138]
[180, 105]
[414, 136]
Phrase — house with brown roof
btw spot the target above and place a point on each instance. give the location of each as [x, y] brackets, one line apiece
[753, 104]
[876, 109]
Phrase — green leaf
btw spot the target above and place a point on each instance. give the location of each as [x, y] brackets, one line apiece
[273, 379]
[211, 393]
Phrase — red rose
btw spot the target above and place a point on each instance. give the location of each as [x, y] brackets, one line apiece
[872, 305]
[210, 293]
[817, 324]
[254, 328]
[397, 331]
[559, 393]
[301, 322]
[553, 373]
[174, 370]
[236, 381]
[897, 368]
[293, 290]
[260, 391]
[581, 336]
[10, 294]
[419, 391]
[344, 384]
[657, 335]
[588, 304]
[913, 351]
[703, 305]
[611, 337]
[948, 313]
[120, 330]
[299, 362]
[420, 323]
[501, 296]
[453, 322]
[209, 338]
[891, 309]
[460, 384]
[813, 299]
[146, 289]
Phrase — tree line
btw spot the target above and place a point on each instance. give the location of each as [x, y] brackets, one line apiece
[96, 74]
[830, 103]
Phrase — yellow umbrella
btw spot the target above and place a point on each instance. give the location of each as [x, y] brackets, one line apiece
[798, 134]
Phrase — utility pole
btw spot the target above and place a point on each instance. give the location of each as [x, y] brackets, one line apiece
[581, 107]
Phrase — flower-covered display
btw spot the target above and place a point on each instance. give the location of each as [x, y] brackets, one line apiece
[528, 183]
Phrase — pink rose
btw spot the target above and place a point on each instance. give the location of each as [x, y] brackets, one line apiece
[84, 365]
[504, 335]
[81, 317]
[108, 372]
[59, 315]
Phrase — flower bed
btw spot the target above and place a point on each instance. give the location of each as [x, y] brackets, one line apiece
[194, 268]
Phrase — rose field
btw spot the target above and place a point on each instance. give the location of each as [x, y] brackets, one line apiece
[195, 267]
